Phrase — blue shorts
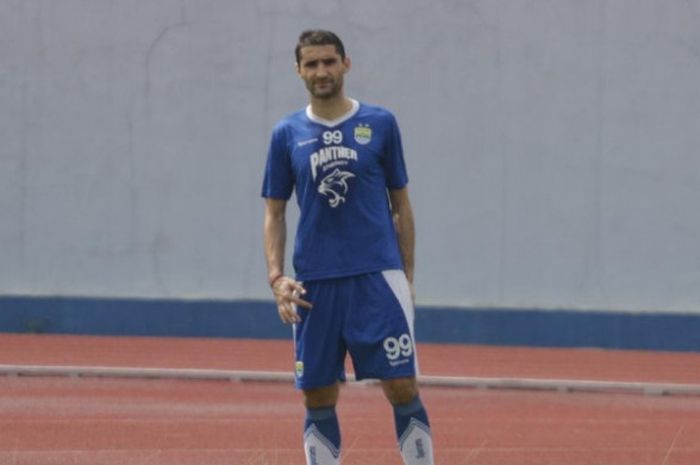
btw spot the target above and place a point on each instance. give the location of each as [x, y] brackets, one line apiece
[369, 316]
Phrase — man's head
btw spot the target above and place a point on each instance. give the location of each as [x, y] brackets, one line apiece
[319, 37]
[321, 63]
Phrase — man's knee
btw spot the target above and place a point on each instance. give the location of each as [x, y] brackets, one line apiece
[326, 396]
[400, 390]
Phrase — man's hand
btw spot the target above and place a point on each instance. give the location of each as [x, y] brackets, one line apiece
[287, 292]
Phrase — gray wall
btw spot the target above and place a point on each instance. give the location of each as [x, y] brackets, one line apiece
[553, 145]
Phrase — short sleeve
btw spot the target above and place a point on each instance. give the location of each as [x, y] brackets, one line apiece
[278, 182]
[393, 160]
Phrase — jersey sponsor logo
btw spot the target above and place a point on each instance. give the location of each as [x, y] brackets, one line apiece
[329, 157]
[302, 143]
[363, 134]
[333, 159]
[335, 186]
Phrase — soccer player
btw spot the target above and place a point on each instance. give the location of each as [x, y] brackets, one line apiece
[353, 255]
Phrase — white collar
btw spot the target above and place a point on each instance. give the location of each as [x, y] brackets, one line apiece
[337, 121]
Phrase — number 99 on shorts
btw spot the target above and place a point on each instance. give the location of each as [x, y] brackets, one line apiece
[398, 347]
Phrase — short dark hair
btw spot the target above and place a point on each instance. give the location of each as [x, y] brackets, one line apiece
[319, 37]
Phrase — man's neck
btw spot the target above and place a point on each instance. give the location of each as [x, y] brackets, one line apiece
[331, 109]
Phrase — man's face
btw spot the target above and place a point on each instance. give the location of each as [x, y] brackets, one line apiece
[322, 70]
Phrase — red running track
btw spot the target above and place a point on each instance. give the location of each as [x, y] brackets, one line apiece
[276, 355]
[94, 421]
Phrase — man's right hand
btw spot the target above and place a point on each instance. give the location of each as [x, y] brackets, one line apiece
[287, 293]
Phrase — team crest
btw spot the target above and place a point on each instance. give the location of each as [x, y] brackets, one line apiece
[363, 134]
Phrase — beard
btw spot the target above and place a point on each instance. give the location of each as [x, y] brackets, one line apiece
[330, 89]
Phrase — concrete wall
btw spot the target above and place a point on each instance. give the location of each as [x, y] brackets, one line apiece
[553, 145]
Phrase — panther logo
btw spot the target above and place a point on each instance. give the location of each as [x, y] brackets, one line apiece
[335, 186]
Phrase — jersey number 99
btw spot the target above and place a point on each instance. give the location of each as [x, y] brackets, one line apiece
[332, 137]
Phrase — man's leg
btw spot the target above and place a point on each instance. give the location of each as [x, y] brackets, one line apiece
[320, 363]
[321, 429]
[411, 420]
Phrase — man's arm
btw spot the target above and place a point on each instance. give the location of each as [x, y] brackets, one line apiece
[285, 289]
[275, 237]
[405, 229]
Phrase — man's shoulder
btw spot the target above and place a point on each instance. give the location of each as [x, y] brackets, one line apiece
[376, 110]
[377, 113]
[292, 119]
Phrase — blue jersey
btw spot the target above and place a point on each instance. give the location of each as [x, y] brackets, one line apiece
[341, 171]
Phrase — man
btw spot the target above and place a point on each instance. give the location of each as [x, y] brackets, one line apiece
[353, 253]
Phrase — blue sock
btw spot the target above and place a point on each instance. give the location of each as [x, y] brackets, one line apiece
[413, 433]
[321, 436]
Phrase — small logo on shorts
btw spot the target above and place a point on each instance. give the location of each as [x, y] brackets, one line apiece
[299, 369]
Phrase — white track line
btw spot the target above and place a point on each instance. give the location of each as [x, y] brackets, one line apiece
[562, 385]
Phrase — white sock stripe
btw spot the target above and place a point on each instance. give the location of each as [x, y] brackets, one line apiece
[313, 431]
[409, 429]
